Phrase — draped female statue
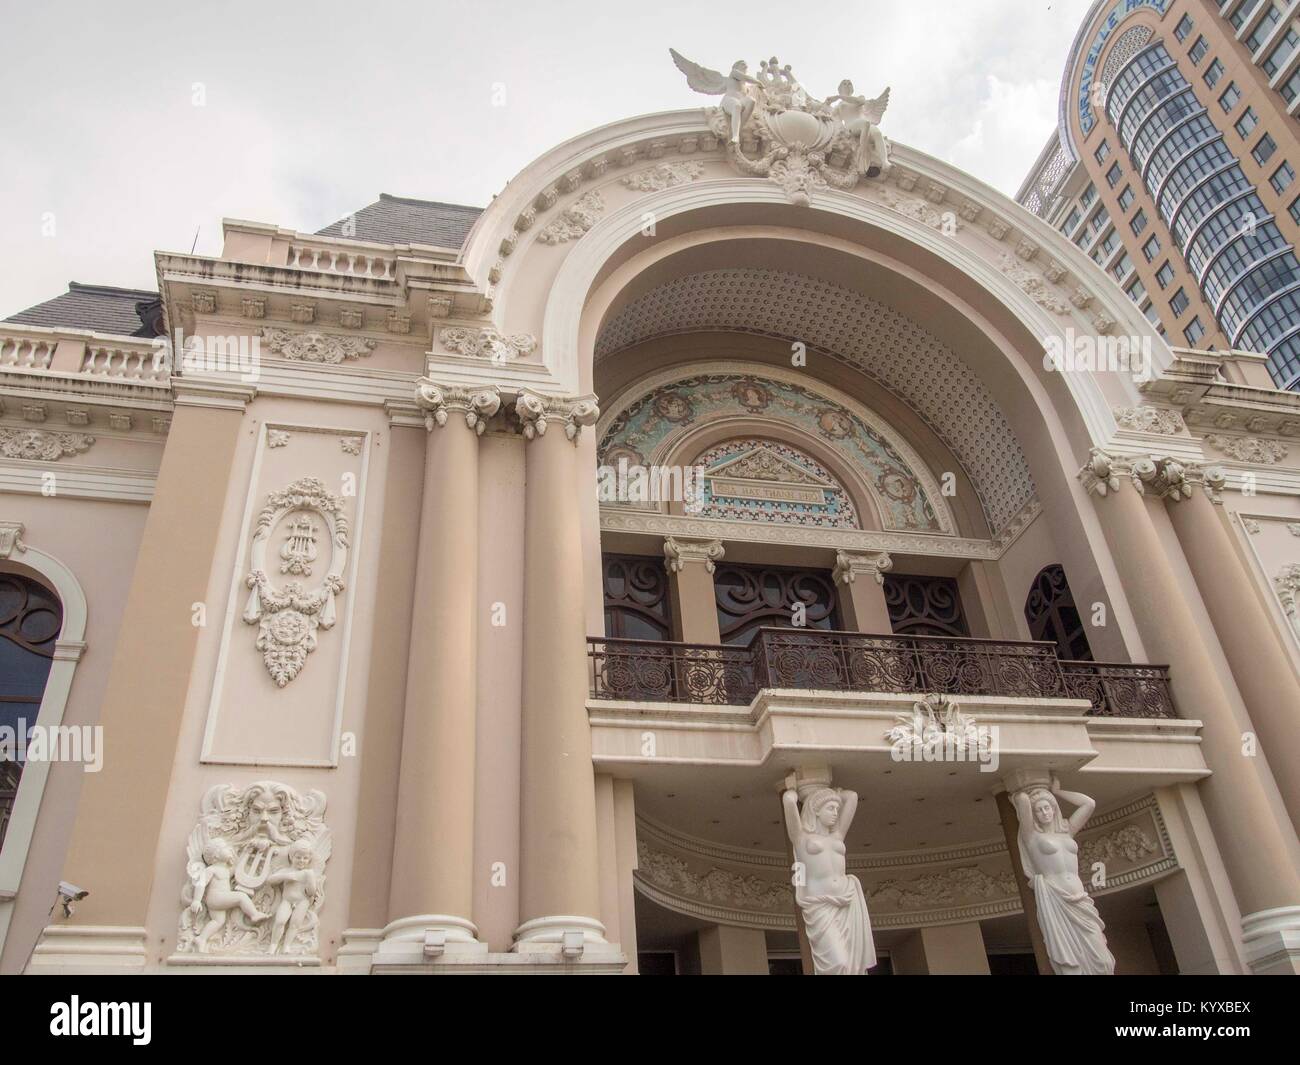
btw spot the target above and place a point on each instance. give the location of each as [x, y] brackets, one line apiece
[832, 903]
[1072, 929]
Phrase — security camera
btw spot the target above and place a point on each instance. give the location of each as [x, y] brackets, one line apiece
[68, 894]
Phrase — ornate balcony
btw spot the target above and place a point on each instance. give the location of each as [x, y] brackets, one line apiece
[659, 671]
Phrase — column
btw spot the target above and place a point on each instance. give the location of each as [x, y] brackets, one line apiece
[726, 950]
[1250, 825]
[431, 896]
[559, 877]
[691, 563]
[1249, 639]
[862, 602]
[147, 685]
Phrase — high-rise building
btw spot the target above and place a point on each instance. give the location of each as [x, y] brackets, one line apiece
[1173, 166]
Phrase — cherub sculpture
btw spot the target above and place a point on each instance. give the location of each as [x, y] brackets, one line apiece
[211, 888]
[299, 886]
[737, 103]
[861, 117]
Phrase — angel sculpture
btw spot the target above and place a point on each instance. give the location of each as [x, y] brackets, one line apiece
[737, 104]
[211, 888]
[861, 117]
[300, 884]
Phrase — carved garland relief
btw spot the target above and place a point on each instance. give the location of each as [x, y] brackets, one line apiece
[306, 522]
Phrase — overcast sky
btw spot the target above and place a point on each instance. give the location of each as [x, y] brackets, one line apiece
[128, 127]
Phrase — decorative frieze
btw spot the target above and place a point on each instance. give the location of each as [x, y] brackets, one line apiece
[255, 874]
[317, 347]
[1032, 284]
[439, 402]
[664, 176]
[849, 564]
[288, 615]
[1156, 420]
[1248, 448]
[574, 220]
[487, 342]
[535, 411]
[679, 552]
[41, 444]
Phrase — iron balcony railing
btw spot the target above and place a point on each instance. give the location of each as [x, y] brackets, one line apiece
[661, 671]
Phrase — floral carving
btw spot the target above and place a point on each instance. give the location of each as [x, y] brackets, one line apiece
[949, 888]
[487, 343]
[41, 444]
[315, 347]
[1129, 842]
[663, 176]
[277, 438]
[1287, 586]
[1032, 285]
[255, 873]
[574, 220]
[718, 886]
[351, 445]
[289, 616]
[1248, 448]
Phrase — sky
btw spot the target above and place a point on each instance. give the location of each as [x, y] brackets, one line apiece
[131, 127]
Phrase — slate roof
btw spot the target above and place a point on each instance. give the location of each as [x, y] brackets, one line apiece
[397, 220]
[99, 308]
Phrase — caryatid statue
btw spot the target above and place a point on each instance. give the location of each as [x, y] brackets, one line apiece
[1073, 931]
[831, 900]
[737, 104]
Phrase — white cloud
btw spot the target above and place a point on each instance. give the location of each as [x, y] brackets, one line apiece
[313, 109]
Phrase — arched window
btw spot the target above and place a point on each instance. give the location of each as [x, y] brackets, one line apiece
[636, 598]
[924, 606]
[1052, 615]
[30, 620]
[750, 597]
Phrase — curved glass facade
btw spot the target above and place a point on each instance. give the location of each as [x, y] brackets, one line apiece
[1243, 264]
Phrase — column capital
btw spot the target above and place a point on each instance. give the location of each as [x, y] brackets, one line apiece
[440, 401]
[536, 410]
[848, 564]
[678, 551]
[1159, 475]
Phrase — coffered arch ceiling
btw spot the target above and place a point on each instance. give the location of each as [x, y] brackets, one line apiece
[859, 331]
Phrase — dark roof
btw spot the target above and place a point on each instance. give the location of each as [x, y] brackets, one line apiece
[99, 308]
[397, 220]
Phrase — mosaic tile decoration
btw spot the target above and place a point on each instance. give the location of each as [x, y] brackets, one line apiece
[767, 481]
[637, 432]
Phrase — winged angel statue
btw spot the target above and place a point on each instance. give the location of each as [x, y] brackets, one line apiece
[255, 872]
[804, 143]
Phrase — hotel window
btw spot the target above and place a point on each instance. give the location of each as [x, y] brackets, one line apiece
[1165, 274]
[1290, 88]
[1122, 268]
[1263, 151]
[1260, 33]
[1230, 97]
[1113, 175]
[1139, 222]
[1105, 249]
[1151, 248]
[1243, 12]
[1279, 56]
[1153, 316]
[1126, 198]
[1089, 194]
[1136, 291]
[1179, 303]
[1246, 123]
[1199, 49]
[1184, 28]
[1294, 210]
[1072, 220]
[1213, 73]
[1282, 178]
[1194, 331]
[1102, 152]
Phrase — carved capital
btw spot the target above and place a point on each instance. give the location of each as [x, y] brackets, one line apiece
[849, 564]
[440, 401]
[11, 538]
[679, 551]
[1157, 475]
[1163, 477]
[536, 411]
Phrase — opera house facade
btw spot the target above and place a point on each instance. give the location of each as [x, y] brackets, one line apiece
[746, 546]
